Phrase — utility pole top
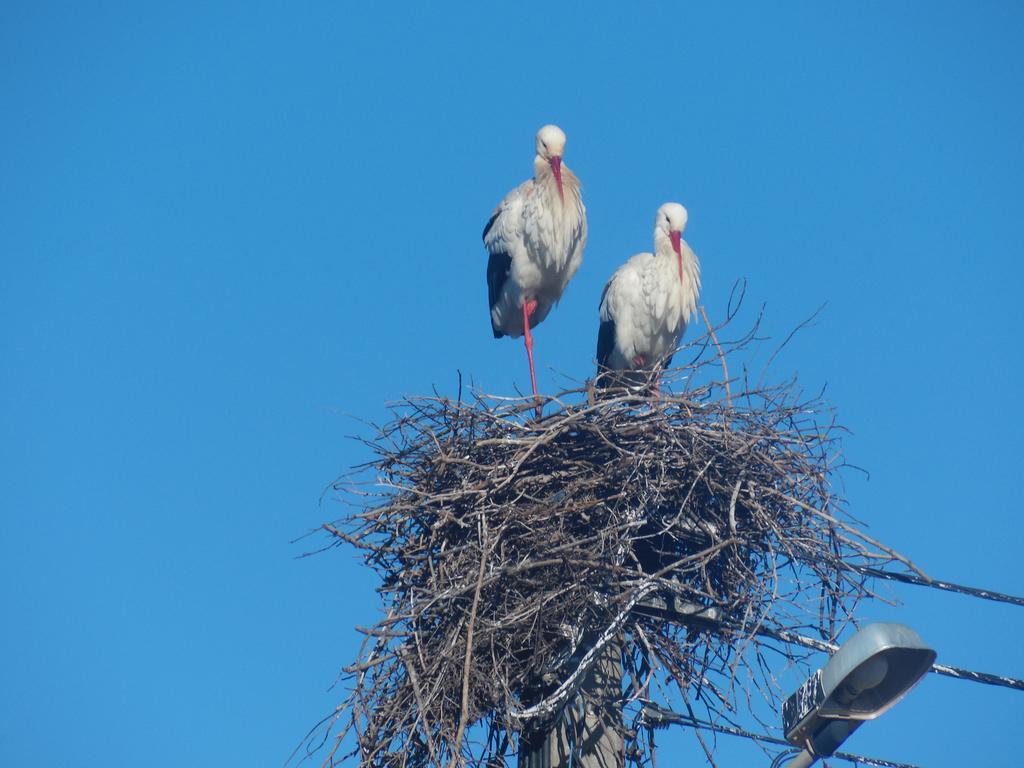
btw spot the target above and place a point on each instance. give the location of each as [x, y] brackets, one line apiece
[588, 733]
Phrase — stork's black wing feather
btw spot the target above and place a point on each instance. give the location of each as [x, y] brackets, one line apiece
[605, 334]
[605, 343]
[498, 266]
[490, 223]
[604, 292]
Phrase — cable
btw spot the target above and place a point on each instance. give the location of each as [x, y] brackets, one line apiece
[939, 669]
[978, 677]
[657, 716]
[948, 586]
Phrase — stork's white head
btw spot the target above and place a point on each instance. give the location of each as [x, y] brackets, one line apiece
[550, 148]
[671, 218]
[670, 221]
[550, 142]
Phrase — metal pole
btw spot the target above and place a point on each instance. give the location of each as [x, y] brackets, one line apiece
[825, 742]
[804, 760]
[585, 735]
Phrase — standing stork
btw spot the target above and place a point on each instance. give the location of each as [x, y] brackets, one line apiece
[647, 303]
[535, 240]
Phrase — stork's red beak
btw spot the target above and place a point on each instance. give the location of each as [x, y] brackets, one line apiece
[556, 168]
[676, 238]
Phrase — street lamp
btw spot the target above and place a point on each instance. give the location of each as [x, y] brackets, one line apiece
[864, 678]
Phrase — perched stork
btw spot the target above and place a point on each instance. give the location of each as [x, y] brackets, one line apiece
[647, 303]
[535, 239]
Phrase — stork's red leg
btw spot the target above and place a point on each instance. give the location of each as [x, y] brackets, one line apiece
[528, 309]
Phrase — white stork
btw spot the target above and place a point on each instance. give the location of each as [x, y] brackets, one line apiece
[647, 303]
[535, 239]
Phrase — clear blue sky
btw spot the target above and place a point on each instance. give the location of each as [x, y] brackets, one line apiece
[223, 227]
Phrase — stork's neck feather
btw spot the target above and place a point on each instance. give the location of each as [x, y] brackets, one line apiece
[663, 251]
[668, 264]
[545, 179]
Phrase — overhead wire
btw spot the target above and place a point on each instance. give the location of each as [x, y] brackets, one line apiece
[656, 716]
[946, 586]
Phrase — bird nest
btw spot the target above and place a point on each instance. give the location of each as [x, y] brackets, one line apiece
[685, 533]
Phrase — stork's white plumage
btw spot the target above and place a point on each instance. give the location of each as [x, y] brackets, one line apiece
[535, 239]
[648, 301]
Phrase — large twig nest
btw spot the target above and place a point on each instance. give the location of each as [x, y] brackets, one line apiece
[536, 541]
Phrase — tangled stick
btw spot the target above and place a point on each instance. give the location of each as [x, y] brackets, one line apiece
[469, 647]
[721, 355]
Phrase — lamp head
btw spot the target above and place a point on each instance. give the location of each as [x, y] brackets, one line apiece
[869, 673]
